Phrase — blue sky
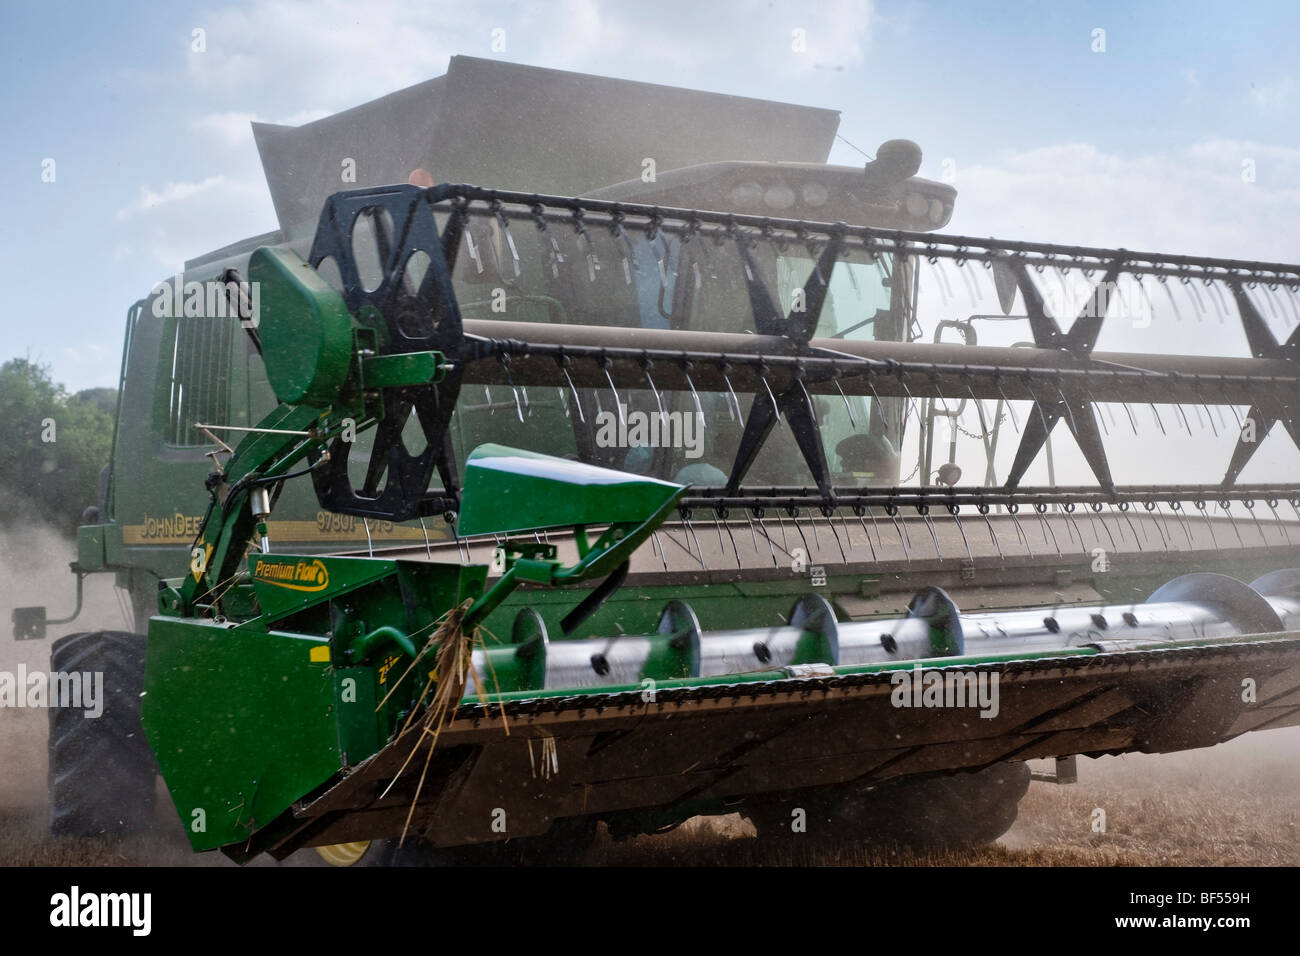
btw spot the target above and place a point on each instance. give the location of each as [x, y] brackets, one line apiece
[1141, 145]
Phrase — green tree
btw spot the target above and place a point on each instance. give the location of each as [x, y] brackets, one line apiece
[52, 446]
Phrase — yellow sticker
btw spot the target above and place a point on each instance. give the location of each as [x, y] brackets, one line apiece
[320, 654]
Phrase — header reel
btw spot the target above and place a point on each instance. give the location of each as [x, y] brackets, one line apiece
[395, 251]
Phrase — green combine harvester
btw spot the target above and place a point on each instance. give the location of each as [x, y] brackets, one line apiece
[464, 519]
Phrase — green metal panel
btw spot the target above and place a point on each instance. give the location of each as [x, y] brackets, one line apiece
[507, 489]
[242, 722]
[305, 328]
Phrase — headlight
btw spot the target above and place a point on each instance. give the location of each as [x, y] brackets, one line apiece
[814, 194]
[779, 196]
[746, 194]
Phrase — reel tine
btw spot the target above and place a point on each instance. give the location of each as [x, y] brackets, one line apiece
[695, 397]
[1164, 284]
[929, 526]
[472, 249]
[753, 535]
[794, 519]
[726, 377]
[1227, 510]
[1177, 508]
[1272, 506]
[605, 364]
[945, 290]
[969, 282]
[1183, 413]
[487, 396]
[554, 255]
[1095, 508]
[577, 402]
[1249, 505]
[1205, 513]
[1196, 297]
[844, 523]
[827, 513]
[1097, 413]
[580, 227]
[858, 511]
[763, 371]
[911, 402]
[1014, 511]
[952, 510]
[510, 239]
[1150, 307]
[892, 511]
[984, 513]
[1047, 528]
[1015, 423]
[785, 544]
[1073, 426]
[771, 547]
[659, 548]
[1209, 417]
[1072, 529]
[627, 253]
[645, 369]
[1220, 306]
[817, 538]
[875, 401]
[847, 407]
[1237, 415]
[1156, 414]
[690, 531]
[505, 367]
[1154, 506]
[1293, 293]
[1132, 421]
[734, 548]
[876, 526]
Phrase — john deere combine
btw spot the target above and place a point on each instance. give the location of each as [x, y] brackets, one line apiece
[620, 530]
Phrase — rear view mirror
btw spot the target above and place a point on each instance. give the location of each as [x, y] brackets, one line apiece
[29, 623]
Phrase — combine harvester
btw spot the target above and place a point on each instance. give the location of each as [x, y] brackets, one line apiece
[519, 511]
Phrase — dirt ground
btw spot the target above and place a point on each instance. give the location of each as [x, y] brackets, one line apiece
[1235, 804]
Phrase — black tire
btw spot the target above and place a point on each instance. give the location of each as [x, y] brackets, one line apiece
[947, 812]
[101, 770]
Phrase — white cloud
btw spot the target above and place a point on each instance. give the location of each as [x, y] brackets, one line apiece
[229, 129]
[1275, 96]
[1194, 199]
[233, 130]
[338, 53]
[149, 200]
[182, 220]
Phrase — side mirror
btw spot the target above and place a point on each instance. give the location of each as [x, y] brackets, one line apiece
[29, 623]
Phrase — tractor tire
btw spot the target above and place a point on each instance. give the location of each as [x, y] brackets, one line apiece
[948, 812]
[101, 770]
